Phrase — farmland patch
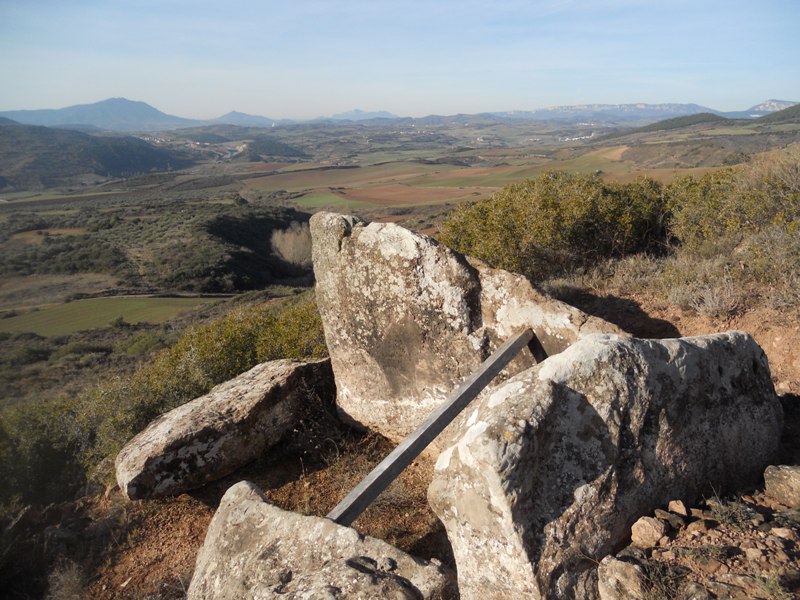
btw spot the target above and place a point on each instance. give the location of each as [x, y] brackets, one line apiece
[63, 319]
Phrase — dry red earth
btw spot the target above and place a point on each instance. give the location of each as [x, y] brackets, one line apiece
[156, 554]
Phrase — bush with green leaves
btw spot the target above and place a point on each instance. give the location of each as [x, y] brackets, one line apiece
[201, 358]
[738, 234]
[47, 450]
[557, 221]
[720, 209]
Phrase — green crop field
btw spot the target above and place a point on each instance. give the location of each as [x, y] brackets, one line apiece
[492, 177]
[729, 131]
[62, 319]
[376, 158]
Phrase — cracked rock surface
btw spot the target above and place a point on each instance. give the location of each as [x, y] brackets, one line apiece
[215, 434]
[407, 320]
[555, 465]
[254, 549]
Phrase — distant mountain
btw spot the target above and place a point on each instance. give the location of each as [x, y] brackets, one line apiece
[5, 121]
[115, 114]
[771, 106]
[34, 157]
[759, 110]
[787, 115]
[606, 112]
[119, 114]
[244, 120]
[361, 115]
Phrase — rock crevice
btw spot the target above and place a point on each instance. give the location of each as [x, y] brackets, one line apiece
[556, 464]
[407, 319]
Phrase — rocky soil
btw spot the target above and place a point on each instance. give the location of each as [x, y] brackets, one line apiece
[744, 547]
[747, 546]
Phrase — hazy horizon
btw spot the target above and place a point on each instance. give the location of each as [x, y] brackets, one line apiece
[310, 58]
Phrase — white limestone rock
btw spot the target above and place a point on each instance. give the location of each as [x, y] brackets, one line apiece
[256, 550]
[407, 319]
[214, 435]
[556, 464]
[782, 482]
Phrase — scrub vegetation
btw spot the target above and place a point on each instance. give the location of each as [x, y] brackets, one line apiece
[684, 210]
[51, 449]
[713, 243]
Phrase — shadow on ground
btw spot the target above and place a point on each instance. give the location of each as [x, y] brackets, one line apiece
[622, 312]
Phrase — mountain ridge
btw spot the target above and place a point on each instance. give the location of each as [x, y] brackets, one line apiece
[114, 114]
[123, 115]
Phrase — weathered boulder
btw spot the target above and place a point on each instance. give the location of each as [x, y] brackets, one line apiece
[557, 463]
[407, 319]
[782, 482]
[620, 580]
[256, 550]
[213, 435]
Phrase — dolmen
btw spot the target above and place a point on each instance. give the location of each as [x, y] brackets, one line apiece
[536, 482]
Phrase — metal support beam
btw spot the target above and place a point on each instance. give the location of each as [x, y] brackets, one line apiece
[356, 502]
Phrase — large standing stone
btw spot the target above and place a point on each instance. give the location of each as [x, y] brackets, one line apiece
[213, 435]
[556, 464]
[256, 550]
[407, 319]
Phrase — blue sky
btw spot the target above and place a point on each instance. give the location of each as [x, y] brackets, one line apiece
[306, 58]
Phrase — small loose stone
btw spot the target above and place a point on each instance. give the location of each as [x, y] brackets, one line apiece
[647, 532]
[782, 483]
[773, 542]
[674, 521]
[753, 553]
[678, 507]
[709, 566]
[698, 526]
[784, 533]
[781, 556]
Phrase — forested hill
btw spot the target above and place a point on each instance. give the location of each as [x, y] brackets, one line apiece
[34, 157]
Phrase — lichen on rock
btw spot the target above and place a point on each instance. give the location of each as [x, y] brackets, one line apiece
[407, 319]
[557, 463]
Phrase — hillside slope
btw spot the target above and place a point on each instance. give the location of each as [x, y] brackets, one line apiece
[787, 115]
[34, 157]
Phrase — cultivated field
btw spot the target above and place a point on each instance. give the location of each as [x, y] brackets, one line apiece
[80, 315]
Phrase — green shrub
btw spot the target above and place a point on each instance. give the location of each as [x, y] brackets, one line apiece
[142, 343]
[47, 450]
[715, 212]
[201, 358]
[40, 447]
[558, 221]
[739, 236]
[696, 206]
